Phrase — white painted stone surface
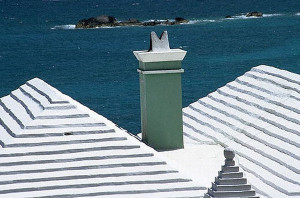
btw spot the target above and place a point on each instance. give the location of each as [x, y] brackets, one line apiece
[199, 162]
[52, 146]
[258, 116]
[160, 56]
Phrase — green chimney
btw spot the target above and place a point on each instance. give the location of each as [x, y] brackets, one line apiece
[161, 94]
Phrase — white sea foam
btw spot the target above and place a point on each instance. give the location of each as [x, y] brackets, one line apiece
[240, 17]
[201, 21]
[190, 21]
[298, 14]
[243, 16]
[272, 15]
[159, 20]
[107, 27]
[64, 27]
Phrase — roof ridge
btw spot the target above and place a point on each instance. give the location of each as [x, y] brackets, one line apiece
[281, 73]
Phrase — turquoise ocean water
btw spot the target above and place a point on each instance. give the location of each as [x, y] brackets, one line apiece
[97, 68]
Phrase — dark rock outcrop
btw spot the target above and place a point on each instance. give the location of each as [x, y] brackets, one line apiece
[179, 20]
[151, 23]
[130, 22]
[254, 14]
[105, 19]
[99, 21]
[228, 17]
[110, 21]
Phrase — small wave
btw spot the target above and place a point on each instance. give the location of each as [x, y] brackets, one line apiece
[202, 21]
[107, 27]
[158, 20]
[190, 21]
[63, 27]
[243, 16]
[298, 14]
[272, 15]
[183, 47]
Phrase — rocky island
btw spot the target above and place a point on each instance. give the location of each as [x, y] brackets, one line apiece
[254, 14]
[249, 14]
[110, 21]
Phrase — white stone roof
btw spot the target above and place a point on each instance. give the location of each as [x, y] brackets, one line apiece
[257, 115]
[52, 146]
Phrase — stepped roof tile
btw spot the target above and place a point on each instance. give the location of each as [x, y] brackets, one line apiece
[257, 115]
[52, 146]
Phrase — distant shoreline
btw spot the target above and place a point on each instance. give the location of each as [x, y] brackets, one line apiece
[110, 21]
[241, 16]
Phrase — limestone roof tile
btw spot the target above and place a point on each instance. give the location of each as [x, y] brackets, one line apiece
[257, 115]
[52, 146]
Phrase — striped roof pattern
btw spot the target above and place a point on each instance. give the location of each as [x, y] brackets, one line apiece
[257, 115]
[52, 146]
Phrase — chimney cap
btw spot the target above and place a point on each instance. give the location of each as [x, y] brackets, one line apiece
[159, 50]
[160, 44]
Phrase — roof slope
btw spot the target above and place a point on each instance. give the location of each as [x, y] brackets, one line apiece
[52, 146]
[257, 115]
